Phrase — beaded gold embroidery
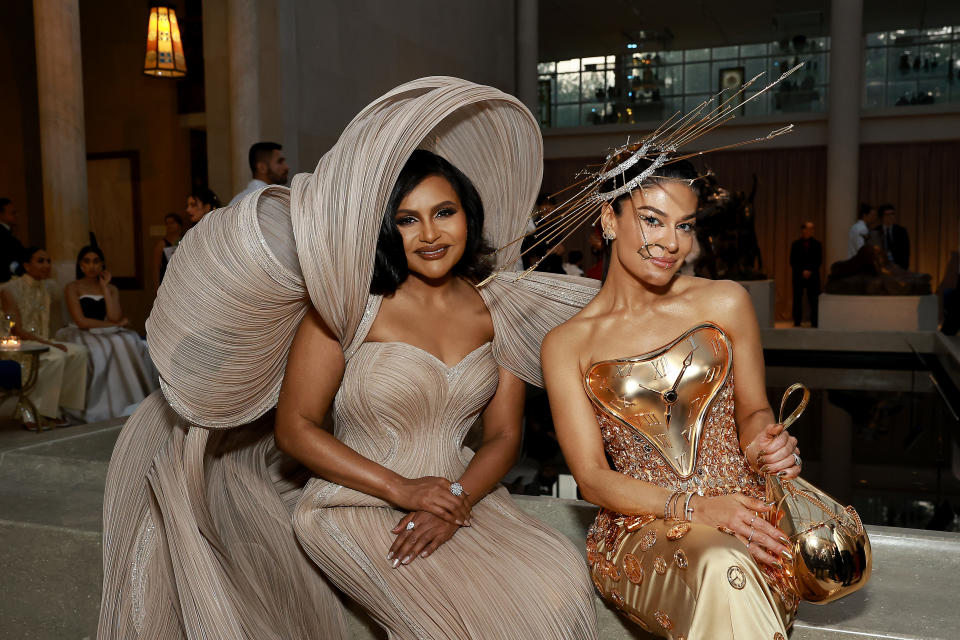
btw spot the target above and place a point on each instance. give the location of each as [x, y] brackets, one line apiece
[663, 619]
[721, 467]
[678, 530]
[610, 570]
[680, 559]
[648, 540]
[660, 565]
[617, 598]
[632, 523]
[633, 568]
[736, 577]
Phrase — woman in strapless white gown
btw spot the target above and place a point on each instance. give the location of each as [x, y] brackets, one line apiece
[119, 371]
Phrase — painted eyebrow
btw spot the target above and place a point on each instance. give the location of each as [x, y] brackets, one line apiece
[658, 212]
[445, 203]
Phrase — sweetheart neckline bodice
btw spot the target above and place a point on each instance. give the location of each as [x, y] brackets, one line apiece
[431, 356]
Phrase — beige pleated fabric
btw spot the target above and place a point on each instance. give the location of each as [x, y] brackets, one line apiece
[199, 541]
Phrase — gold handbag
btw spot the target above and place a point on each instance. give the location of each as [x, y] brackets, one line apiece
[831, 550]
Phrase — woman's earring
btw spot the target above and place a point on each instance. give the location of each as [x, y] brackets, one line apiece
[609, 235]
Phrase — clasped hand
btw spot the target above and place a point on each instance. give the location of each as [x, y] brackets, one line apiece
[436, 515]
[773, 452]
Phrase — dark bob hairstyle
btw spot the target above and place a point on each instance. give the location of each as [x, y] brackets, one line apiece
[680, 170]
[90, 248]
[390, 264]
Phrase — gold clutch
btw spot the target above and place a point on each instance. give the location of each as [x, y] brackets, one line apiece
[831, 550]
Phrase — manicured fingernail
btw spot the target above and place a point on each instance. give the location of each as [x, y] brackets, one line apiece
[459, 522]
[424, 554]
[470, 523]
[390, 556]
[396, 562]
[772, 503]
[406, 560]
[784, 539]
[778, 566]
[787, 555]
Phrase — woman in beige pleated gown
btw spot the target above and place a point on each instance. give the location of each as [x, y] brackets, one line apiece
[211, 532]
[643, 377]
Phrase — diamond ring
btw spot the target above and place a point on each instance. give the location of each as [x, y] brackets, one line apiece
[750, 539]
[411, 525]
[456, 489]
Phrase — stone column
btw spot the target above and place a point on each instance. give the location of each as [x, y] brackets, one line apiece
[63, 148]
[526, 57]
[843, 124]
[243, 48]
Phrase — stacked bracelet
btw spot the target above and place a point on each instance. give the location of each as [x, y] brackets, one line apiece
[671, 509]
[687, 509]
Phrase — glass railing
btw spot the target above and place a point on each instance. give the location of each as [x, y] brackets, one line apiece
[912, 67]
[644, 86]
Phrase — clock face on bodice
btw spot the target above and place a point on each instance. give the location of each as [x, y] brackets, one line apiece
[665, 395]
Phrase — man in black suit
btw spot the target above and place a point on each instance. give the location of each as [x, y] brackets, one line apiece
[806, 256]
[11, 250]
[896, 240]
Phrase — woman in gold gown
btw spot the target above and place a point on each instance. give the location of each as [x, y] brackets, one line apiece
[680, 545]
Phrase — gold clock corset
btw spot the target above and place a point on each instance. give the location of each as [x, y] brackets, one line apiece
[667, 416]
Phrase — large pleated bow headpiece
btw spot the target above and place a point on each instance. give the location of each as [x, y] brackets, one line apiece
[241, 281]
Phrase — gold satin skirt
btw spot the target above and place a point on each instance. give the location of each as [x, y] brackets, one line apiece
[687, 581]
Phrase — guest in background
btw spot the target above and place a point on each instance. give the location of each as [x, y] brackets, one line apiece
[163, 250]
[33, 302]
[806, 256]
[895, 239]
[267, 165]
[860, 231]
[571, 266]
[201, 202]
[11, 250]
[120, 372]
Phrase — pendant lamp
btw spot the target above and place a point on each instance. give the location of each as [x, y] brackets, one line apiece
[164, 57]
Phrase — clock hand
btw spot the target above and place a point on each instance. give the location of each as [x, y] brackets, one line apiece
[669, 397]
[686, 363]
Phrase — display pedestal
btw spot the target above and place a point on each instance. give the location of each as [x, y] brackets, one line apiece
[763, 294]
[878, 313]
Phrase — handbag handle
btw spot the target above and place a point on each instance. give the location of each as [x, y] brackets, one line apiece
[804, 401]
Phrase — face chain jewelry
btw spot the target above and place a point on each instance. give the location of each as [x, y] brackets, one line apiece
[658, 149]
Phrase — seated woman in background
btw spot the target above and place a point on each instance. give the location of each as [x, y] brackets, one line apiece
[120, 371]
[201, 202]
[33, 303]
[163, 250]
